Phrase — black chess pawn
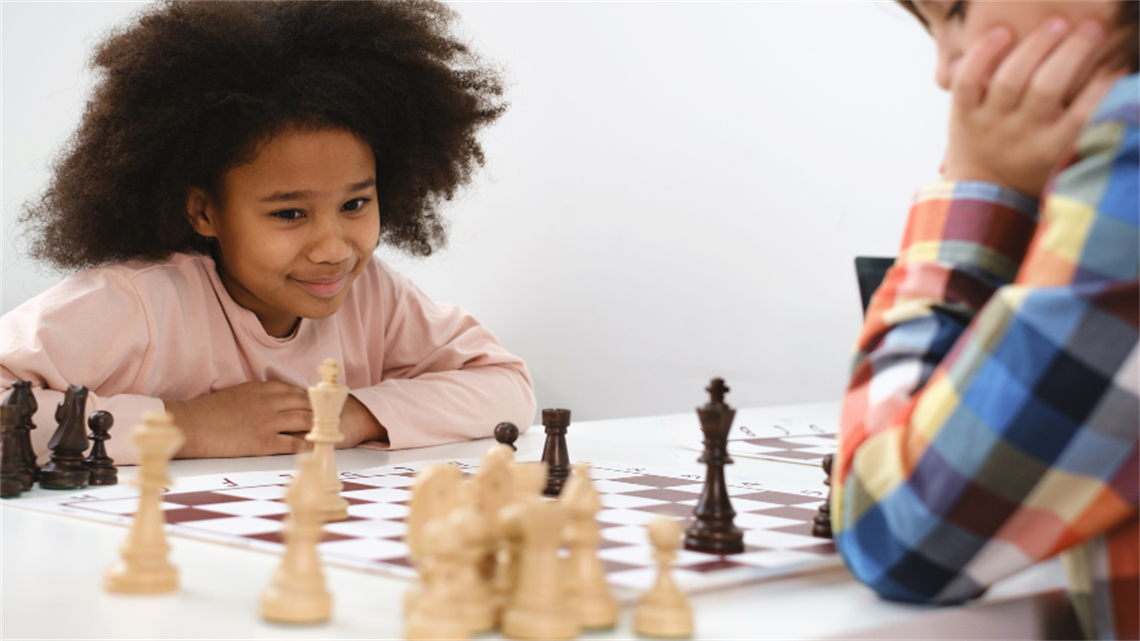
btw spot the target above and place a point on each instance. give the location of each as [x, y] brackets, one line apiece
[821, 522]
[507, 434]
[10, 482]
[24, 402]
[65, 470]
[712, 529]
[101, 466]
[554, 453]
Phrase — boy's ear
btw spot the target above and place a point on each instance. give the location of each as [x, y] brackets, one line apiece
[200, 213]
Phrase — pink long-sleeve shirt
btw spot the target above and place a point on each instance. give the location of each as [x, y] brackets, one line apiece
[136, 334]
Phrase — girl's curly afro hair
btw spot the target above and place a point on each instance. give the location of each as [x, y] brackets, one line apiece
[189, 89]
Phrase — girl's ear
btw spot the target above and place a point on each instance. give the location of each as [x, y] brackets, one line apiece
[200, 213]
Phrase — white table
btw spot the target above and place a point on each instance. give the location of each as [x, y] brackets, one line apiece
[52, 569]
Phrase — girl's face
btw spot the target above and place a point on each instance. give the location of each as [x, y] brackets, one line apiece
[295, 226]
[957, 24]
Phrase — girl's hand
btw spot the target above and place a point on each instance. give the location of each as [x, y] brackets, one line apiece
[1013, 116]
[250, 419]
[359, 425]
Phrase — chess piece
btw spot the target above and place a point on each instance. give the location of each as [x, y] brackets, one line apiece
[144, 568]
[10, 483]
[554, 454]
[65, 470]
[327, 399]
[539, 608]
[821, 522]
[590, 595]
[507, 434]
[440, 614]
[101, 466]
[713, 530]
[435, 494]
[663, 612]
[297, 592]
[24, 401]
[527, 482]
[491, 489]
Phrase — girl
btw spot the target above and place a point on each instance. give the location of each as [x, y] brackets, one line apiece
[234, 170]
[992, 418]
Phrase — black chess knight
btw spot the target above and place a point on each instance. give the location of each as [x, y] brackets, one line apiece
[713, 530]
[65, 470]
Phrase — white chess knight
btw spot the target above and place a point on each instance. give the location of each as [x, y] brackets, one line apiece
[663, 611]
[144, 568]
[297, 593]
[327, 399]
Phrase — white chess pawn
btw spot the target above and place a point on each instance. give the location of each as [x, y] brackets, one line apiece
[144, 568]
[327, 399]
[539, 608]
[586, 578]
[297, 593]
[663, 611]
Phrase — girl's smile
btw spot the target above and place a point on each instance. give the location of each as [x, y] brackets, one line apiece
[295, 226]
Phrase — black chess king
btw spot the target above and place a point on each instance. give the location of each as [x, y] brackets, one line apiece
[712, 530]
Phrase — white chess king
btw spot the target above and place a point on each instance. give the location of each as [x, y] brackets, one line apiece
[327, 399]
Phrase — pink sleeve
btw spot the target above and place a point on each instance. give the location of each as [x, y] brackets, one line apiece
[91, 330]
[445, 377]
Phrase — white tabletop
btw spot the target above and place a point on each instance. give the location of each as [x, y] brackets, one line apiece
[52, 569]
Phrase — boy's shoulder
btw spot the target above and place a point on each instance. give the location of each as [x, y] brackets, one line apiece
[1121, 103]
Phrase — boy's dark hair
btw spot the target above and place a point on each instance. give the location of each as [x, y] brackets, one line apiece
[1128, 17]
[189, 89]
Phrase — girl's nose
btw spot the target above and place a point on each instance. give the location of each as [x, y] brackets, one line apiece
[331, 244]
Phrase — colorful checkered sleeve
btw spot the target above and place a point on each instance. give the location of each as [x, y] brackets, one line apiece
[993, 413]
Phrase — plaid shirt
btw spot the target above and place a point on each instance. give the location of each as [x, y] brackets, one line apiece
[993, 413]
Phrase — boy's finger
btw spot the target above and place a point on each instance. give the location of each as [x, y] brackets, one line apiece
[1054, 79]
[1015, 71]
[976, 67]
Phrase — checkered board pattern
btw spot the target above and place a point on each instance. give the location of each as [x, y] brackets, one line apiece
[808, 448]
[248, 510]
[769, 434]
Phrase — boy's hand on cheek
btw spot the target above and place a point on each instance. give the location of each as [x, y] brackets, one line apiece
[1017, 109]
[250, 419]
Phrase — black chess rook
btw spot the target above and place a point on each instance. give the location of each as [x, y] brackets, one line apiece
[554, 453]
[712, 529]
[101, 466]
[507, 434]
[65, 470]
[24, 456]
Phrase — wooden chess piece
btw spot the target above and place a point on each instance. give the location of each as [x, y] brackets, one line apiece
[527, 481]
[144, 568]
[713, 530]
[507, 434]
[101, 466]
[437, 614]
[821, 522]
[539, 608]
[492, 488]
[328, 398]
[435, 494]
[554, 453]
[590, 595]
[65, 470]
[297, 592]
[10, 483]
[24, 401]
[663, 612]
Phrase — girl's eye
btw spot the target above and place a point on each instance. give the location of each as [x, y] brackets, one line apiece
[957, 10]
[288, 214]
[354, 204]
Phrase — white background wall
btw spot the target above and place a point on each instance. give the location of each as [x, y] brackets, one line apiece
[676, 193]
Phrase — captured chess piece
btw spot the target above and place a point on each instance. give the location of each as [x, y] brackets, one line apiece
[590, 595]
[555, 454]
[713, 530]
[327, 399]
[24, 402]
[297, 592]
[507, 434]
[144, 568]
[663, 612]
[821, 522]
[65, 470]
[10, 483]
[101, 466]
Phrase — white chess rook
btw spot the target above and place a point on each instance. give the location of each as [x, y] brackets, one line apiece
[144, 568]
[539, 608]
[327, 399]
[297, 593]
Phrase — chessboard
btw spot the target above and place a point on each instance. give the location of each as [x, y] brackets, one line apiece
[248, 509]
[768, 433]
